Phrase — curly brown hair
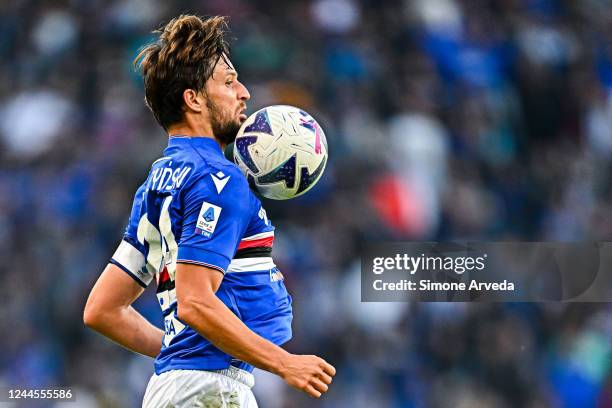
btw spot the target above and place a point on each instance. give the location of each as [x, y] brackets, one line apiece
[182, 58]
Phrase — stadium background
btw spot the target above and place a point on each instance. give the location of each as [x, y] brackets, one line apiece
[446, 120]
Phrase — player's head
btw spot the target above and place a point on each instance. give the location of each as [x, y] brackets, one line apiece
[188, 77]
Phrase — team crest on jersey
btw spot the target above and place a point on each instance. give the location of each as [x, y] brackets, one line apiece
[208, 218]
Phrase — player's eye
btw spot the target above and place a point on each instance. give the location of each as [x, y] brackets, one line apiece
[229, 82]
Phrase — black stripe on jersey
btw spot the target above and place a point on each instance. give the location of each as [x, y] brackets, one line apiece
[255, 252]
[164, 286]
[169, 310]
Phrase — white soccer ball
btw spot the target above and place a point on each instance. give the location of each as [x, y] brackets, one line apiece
[282, 151]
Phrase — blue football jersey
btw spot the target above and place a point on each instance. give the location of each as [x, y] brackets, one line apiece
[196, 207]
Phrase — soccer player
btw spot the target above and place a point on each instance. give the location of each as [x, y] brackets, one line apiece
[197, 229]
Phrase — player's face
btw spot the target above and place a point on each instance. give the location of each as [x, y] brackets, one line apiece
[226, 101]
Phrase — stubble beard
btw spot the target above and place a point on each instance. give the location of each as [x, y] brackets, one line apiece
[224, 130]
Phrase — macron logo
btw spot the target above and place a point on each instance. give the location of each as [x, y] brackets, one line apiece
[220, 180]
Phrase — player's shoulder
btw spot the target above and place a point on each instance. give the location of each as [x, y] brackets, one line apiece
[218, 176]
[219, 167]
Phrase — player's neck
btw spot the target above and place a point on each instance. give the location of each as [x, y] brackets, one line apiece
[191, 130]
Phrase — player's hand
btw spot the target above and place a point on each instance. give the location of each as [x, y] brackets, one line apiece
[310, 374]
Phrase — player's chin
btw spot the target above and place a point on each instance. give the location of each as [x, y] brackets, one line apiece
[228, 133]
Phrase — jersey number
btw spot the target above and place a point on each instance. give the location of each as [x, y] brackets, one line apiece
[162, 243]
[162, 253]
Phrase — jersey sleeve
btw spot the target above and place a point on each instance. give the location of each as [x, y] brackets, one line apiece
[259, 222]
[130, 255]
[216, 208]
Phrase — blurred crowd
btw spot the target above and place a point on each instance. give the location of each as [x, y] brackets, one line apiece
[446, 120]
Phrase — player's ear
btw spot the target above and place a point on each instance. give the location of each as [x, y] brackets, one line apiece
[193, 100]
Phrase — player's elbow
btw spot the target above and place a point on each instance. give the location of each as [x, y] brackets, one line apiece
[191, 312]
[186, 313]
[93, 315]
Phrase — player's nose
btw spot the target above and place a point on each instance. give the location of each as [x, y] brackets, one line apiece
[243, 93]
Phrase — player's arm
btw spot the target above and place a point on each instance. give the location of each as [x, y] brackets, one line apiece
[109, 312]
[201, 309]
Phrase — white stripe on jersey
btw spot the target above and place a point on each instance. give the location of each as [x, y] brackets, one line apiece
[132, 260]
[250, 264]
[259, 236]
[166, 299]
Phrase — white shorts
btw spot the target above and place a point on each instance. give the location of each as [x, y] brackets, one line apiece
[230, 388]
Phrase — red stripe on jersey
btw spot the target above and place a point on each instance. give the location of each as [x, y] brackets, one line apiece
[163, 276]
[262, 242]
